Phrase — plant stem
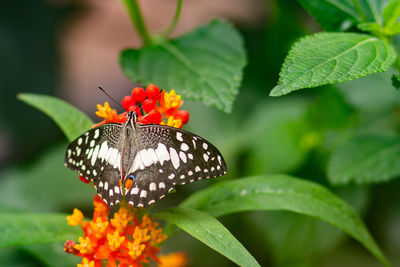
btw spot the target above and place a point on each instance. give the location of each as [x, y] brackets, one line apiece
[174, 22]
[137, 19]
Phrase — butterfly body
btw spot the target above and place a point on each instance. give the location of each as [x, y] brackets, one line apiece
[155, 157]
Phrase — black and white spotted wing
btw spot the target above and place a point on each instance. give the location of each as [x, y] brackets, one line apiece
[167, 157]
[155, 157]
[95, 155]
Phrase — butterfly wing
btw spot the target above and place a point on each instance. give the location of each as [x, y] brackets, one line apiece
[95, 155]
[166, 157]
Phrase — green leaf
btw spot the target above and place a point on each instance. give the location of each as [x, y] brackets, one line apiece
[371, 10]
[48, 254]
[210, 231]
[44, 185]
[363, 94]
[392, 29]
[391, 12]
[316, 237]
[16, 257]
[205, 65]
[326, 58]
[372, 27]
[34, 228]
[275, 143]
[70, 120]
[333, 15]
[364, 160]
[281, 192]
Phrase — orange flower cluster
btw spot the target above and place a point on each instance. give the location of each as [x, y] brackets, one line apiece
[153, 106]
[124, 240]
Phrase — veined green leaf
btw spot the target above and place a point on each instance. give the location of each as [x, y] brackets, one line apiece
[204, 65]
[333, 15]
[70, 120]
[281, 192]
[364, 160]
[210, 231]
[327, 58]
[34, 228]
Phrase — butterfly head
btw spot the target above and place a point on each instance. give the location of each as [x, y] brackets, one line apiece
[131, 118]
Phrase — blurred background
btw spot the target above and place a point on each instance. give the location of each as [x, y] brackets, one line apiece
[68, 48]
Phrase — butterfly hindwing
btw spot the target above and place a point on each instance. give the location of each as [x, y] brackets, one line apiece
[107, 185]
[167, 157]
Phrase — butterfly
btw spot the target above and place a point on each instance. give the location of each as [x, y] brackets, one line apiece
[154, 157]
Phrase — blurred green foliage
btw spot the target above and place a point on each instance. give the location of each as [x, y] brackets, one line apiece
[305, 134]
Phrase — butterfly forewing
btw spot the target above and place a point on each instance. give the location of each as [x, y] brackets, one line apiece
[95, 155]
[167, 157]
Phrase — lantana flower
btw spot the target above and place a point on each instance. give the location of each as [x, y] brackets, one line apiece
[129, 237]
[152, 106]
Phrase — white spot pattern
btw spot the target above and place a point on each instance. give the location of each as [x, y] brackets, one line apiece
[179, 136]
[182, 155]
[152, 187]
[162, 153]
[135, 191]
[174, 157]
[184, 147]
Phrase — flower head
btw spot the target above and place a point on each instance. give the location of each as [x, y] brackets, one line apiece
[153, 106]
[172, 100]
[127, 239]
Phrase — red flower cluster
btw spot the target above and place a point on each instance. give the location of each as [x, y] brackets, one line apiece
[153, 106]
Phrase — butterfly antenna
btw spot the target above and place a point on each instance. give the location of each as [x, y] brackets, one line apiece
[110, 96]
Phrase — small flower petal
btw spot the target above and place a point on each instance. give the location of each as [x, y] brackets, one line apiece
[115, 240]
[106, 112]
[86, 263]
[84, 246]
[135, 249]
[76, 218]
[138, 94]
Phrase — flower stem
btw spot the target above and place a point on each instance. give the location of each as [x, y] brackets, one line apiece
[137, 19]
[175, 20]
